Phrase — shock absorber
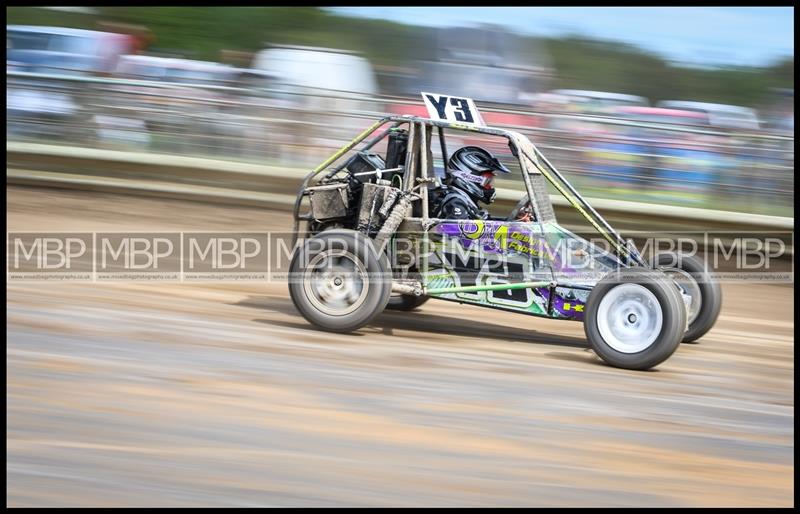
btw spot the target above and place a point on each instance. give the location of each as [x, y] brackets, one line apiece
[387, 204]
[394, 219]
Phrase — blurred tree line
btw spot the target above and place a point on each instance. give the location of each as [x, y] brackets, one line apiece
[578, 62]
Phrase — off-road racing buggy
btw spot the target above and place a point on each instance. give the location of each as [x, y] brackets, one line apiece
[368, 243]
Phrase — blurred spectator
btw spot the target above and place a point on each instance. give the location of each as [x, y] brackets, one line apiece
[657, 158]
[141, 36]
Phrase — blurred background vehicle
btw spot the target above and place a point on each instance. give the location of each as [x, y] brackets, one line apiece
[178, 102]
[653, 158]
[719, 115]
[64, 50]
[597, 102]
[54, 108]
[318, 68]
[323, 82]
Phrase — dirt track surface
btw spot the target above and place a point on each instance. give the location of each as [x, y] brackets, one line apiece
[164, 394]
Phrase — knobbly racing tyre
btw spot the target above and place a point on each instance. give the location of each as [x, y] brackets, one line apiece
[635, 318]
[405, 302]
[337, 280]
[691, 275]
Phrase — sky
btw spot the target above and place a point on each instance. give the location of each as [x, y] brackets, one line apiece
[697, 36]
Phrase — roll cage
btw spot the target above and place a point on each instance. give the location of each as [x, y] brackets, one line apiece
[533, 164]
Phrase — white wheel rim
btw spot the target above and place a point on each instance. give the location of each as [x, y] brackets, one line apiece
[690, 287]
[336, 282]
[629, 318]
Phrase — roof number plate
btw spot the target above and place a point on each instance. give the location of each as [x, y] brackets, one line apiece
[453, 109]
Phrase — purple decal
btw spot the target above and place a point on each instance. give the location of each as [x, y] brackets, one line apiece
[568, 307]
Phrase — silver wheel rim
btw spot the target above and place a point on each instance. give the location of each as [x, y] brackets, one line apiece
[629, 318]
[336, 282]
[690, 287]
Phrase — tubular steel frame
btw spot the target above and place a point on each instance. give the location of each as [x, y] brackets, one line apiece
[529, 164]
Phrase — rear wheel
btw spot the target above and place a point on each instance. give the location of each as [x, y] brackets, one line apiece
[635, 318]
[338, 282]
[691, 275]
[405, 302]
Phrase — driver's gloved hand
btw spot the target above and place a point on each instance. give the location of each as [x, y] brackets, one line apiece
[525, 214]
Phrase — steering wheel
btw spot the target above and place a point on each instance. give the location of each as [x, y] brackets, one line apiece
[523, 211]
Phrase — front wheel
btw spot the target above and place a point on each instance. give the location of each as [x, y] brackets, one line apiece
[338, 281]
[692, 276]
[635, 318]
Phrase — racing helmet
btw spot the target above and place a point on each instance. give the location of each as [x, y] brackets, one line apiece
[472, 170]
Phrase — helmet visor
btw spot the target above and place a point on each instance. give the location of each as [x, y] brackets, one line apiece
[487, 181]
[484, 180]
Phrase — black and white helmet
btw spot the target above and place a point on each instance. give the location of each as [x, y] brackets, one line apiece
[472, 170]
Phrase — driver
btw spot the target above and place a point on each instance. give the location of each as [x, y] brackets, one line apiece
[469, 178]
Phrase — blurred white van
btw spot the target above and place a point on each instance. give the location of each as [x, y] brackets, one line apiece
[325, 83]
[318, 68]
